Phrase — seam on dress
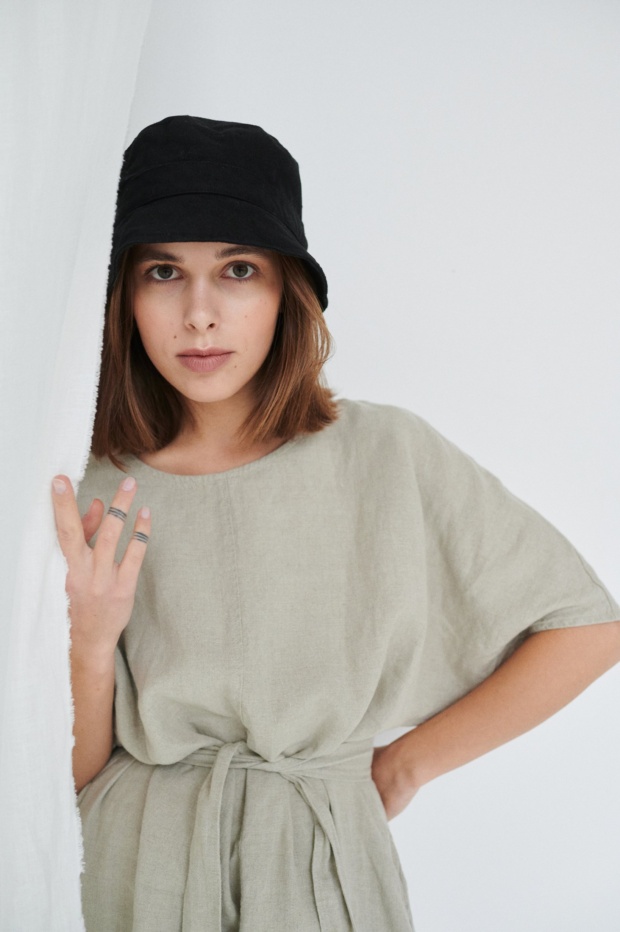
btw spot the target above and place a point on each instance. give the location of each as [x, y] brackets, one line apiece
[238, 613]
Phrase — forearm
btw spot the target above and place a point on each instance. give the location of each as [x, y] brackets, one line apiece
[545, 673]
[92, 684]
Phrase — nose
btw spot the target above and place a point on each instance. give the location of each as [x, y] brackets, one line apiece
[202, 309]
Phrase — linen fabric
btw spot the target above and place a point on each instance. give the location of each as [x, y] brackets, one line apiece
[354, 580]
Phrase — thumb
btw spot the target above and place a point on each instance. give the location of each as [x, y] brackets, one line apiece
[93, 518]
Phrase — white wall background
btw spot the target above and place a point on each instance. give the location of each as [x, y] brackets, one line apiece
[459, 161]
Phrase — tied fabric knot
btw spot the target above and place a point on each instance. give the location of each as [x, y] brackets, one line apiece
[202, 901]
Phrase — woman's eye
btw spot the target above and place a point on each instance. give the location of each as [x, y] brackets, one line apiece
[158, 268]
[240, 271]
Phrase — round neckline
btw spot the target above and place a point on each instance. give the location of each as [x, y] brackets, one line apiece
[136, 464]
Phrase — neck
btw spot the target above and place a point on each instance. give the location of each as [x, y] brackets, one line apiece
[215, 427]
[211, 445]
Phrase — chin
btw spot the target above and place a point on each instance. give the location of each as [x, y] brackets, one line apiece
[211, 396]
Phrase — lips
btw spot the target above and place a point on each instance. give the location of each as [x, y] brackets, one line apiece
[209, 351]
[204, 362]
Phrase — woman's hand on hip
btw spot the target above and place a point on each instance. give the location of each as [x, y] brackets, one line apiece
[391, 779]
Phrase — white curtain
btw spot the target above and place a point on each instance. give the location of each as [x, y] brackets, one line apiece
[69, 71]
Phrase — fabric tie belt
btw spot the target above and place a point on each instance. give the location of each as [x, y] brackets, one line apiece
[351, 762]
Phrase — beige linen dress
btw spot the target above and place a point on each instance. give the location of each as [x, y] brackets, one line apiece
[352, 581]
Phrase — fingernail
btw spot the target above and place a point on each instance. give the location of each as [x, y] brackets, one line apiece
[59, 486]
[145, 512]
[128, 483]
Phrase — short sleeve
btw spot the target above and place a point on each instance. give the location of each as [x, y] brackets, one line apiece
[497, 570]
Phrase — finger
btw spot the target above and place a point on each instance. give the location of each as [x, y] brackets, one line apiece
[67, 517]
[92, 519]
[114, 520]
[129, 566]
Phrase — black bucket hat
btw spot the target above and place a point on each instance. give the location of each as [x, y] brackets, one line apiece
[191, 179]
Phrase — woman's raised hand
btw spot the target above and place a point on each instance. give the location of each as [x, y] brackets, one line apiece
[101, 592]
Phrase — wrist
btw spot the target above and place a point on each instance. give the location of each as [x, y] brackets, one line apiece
[92, 661]
[413, 761]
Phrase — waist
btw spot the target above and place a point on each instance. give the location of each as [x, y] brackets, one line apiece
[350, 761]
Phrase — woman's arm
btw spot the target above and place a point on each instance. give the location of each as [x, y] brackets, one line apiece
[544, 674]
[92, 686]
[101, 598]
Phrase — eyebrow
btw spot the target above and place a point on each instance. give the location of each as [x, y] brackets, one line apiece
[148, 254]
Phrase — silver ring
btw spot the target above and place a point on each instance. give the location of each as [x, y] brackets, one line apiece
[117, 512]
[140, 535]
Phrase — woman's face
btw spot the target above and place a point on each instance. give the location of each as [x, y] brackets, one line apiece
[190, 296]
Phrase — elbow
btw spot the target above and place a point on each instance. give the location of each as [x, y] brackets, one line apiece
[608, 639]
[594, 647]
[614, 635]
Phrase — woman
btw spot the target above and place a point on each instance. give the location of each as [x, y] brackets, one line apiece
[317, 571]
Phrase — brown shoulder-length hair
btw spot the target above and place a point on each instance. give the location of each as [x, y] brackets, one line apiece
[139, 411]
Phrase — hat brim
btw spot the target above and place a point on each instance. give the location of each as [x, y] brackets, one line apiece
[186, 218]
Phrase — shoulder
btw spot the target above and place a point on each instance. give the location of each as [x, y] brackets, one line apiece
[388, 442]
[357, 414]
[368, 423]
[401, 442]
